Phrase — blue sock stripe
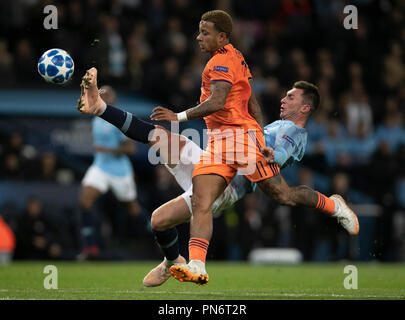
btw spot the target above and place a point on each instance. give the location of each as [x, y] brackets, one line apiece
[127, 123]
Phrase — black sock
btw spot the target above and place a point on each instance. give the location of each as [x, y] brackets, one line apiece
[87, 228]
[168, 242]
[129, 125]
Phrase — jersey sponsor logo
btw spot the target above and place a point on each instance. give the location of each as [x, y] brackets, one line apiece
[221, 68]
[289, 139]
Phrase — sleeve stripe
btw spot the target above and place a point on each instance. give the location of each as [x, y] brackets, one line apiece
[222, 80]
[127, 123]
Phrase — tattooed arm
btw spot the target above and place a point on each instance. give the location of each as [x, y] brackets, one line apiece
[216, 102]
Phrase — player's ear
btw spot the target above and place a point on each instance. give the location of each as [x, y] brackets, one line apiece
[222, 36]
[306, 108]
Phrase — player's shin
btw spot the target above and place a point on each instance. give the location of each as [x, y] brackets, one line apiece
[168, 242]
[90, 249]
[325, 204]
[200, 235]
[130, 125]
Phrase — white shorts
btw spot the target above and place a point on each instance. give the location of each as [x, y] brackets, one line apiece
[123, 188]
[183, 172]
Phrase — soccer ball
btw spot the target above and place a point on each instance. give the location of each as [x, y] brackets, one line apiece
[56, 66]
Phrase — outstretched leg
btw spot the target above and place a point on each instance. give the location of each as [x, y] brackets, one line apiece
[168, 144]
[276, 188]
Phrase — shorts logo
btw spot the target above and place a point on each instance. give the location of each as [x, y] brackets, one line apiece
[289, 139]
[220, 68]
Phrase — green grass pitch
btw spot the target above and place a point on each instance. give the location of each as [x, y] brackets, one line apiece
[228, 281]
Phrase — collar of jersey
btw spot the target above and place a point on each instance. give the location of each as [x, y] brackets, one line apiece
[223, 49]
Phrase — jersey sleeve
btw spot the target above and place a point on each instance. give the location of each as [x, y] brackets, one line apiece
[221, 69]
[286, 145]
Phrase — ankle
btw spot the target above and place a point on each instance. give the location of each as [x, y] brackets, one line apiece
[101, 107]
[197, 263]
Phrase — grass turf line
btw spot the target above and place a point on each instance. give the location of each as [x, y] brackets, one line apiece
[228, 281]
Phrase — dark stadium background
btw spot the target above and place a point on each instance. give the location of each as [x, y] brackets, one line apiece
[356, 141]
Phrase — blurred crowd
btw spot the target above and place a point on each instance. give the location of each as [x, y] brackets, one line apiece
[356, 139]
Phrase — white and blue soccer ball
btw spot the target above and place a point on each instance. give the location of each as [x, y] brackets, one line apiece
[56, 66]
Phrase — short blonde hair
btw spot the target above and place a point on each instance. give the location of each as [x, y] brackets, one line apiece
[222, 21]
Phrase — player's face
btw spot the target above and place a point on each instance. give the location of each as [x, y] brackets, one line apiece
[208, 37]
[291, 104]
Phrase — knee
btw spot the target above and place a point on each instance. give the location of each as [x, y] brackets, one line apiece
[157, 221]
[198, 205]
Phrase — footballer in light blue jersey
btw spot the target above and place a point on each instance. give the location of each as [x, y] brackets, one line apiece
[111, 170]
[108, 136]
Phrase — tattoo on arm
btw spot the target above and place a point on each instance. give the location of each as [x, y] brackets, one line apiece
[216, 101]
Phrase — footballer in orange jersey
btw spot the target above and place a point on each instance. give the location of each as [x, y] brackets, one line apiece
[229, 109]
[234, 123]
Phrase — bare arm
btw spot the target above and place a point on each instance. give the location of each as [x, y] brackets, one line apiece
[254, 108]
[216, 102]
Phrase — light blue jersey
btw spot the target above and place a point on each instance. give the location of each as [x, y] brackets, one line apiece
[106, 135]
[288, 142]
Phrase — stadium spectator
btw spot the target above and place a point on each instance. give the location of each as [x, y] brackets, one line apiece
[6, 63]
[17, 158]
[391, 131]
[115, 52]
[24, 64]
[394, 69]
[358, 112]
[37, 234]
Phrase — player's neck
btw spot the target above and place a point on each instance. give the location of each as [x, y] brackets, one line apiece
[299, 122]
[223, 44]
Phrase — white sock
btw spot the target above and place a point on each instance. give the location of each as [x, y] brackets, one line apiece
[103, 107]
[336, 207]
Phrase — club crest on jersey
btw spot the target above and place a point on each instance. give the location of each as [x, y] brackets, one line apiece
[221, 68]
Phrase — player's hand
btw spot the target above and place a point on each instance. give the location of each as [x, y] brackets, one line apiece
[268, 154]
[163, 114]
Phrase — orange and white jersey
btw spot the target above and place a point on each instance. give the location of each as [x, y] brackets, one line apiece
[228, 65]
